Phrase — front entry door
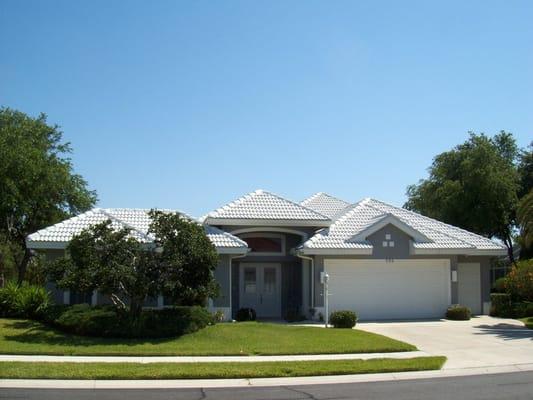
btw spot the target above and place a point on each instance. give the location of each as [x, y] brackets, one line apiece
[260, 288]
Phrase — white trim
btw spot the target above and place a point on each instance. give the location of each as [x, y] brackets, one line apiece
[266, 235]
[63, 245]
[304, 235]
[46, 245]
[268, 222]
[466, 252]
[232, 250]
[312, 251]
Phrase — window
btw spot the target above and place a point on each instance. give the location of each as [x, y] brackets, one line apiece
[250, 283]
[269, 281]
[265, 243]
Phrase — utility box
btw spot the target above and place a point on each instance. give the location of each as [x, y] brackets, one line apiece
[324, 277]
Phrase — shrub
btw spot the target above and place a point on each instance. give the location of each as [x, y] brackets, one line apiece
[501, 305]
[522, 310]
[294, 315]
[458, 312]
[529, 323]
[25, 301]
[519, 281]
[245, 314]
[499, 285]
[343, 319]
[107, 321]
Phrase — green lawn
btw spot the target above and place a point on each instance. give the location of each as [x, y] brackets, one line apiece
[528, 322]
[245, 338]
[45, 370]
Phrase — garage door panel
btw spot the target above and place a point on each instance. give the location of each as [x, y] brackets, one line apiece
[377, 289]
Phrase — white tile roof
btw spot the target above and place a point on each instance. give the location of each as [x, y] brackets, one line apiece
[137, 220]
[366, 212]
[326, 204]
[263, 205]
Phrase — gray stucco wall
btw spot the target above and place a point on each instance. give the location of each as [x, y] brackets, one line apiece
[222, 276]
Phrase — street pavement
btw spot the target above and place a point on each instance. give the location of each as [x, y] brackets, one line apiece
[516, 386]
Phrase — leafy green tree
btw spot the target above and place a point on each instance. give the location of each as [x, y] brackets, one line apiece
[474, 186]
[37, 184]
[525, 219]
[179, 263]
[525, 170]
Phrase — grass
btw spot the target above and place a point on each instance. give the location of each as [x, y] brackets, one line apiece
[46, 370]
[528, 322]
[245, 338]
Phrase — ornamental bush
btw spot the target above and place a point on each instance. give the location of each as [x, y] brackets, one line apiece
[501, 305]
[519, 281]
[24, 301]
[245, 314]
[109, 321]
[343, 319]
[458, 312]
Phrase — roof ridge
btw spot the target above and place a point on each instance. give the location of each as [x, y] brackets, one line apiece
[311, 198]
[317, 194]
[130, 226]
[258, 192]
[295, 203]
[432, 219]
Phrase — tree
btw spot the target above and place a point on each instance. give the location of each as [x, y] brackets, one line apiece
[37, 184]
[178, 263]
[474, 186]
[525, 219]
[525, 170]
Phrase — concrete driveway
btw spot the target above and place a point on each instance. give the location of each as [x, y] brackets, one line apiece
[481, 342]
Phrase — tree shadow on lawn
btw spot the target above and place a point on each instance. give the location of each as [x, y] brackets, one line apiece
[505, 331]
[38, 333]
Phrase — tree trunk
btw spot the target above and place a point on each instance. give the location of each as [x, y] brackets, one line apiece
[23, 265]
[136, 307]
[510, 251]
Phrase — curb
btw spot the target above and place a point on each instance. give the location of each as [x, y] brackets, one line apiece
[259, 382]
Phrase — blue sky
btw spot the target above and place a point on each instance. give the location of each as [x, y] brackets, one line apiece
[190, 104]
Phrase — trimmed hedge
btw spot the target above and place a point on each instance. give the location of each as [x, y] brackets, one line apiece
[343, 319]
[245, 314]
[501, 305]
[458, 312]
[107, 321]
[24, 301]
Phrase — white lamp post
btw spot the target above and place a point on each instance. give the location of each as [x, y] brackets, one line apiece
[324, 278]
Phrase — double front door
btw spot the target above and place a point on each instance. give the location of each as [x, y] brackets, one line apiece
[260, 288]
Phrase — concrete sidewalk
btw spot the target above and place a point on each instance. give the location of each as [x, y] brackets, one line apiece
[205, 359]
[218, 383]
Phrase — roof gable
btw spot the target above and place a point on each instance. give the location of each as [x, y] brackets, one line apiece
[326, 204]
[266, 207]
[138, 220]
[349, 232]
[380, 222]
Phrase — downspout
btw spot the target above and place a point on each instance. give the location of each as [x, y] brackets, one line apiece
[299, 255]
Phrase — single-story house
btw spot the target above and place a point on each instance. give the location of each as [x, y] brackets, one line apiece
[384, 262]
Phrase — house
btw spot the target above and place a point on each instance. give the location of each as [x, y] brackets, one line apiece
[383, 262]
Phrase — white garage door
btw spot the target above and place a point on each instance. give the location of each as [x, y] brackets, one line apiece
[399, 289]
